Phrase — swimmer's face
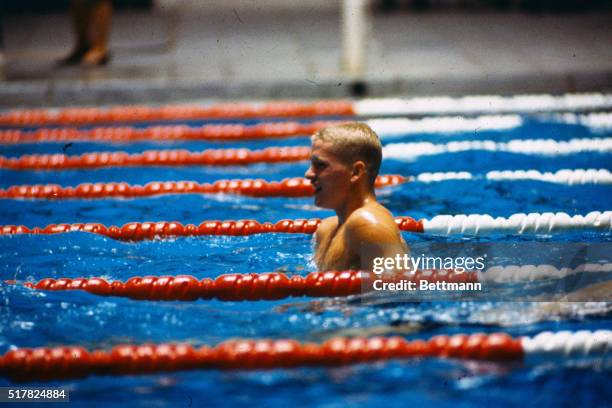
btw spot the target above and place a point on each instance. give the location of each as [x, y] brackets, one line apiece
[330, 176]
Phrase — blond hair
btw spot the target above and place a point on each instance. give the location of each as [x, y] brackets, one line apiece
[352, 142]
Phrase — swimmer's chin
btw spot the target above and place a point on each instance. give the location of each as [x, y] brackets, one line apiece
[320, 203]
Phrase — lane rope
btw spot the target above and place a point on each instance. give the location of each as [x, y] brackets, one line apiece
[530, 273]
[563, 176]
[64, 362]
[241, 287]
[595, 121]
[520, 223]
[546, 147]
[124, 134]
[85, 116]
[241, 156]
[385, 128]
[277, 285]
[210, 157]
[289, 187]
[569, 344]
[472, 224]
[476, 104]
[482, 104]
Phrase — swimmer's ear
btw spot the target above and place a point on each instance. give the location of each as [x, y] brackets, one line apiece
[359, 170]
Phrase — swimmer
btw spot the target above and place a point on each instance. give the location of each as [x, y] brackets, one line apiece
[344, 162]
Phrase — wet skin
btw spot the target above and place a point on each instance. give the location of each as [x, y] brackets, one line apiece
[362, 228]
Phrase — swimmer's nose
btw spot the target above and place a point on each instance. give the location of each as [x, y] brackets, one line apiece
[309, 174]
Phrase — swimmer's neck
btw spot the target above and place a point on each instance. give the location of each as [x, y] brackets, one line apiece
[354, 202]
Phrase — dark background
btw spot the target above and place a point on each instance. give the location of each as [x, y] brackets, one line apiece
[23, 6]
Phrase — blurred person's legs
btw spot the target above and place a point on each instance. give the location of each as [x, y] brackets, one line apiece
[100, 14]
[2, 57]
[91, 20]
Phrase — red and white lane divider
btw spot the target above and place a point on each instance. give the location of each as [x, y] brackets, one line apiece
[563, 176]
[290, 187]
[530, 273]
[477, 104]
[86, 116]
[547, 147]
[473, 224]
[241, 287]
[397, 127]
[385, 128]
[210, 157]
[227, 132]
[566, 344]
[366, 107]
[544, 223]
[595, 121]
[277, 285]
[64, 362]
[228, 157]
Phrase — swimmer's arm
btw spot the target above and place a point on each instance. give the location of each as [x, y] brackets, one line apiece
[324, 229]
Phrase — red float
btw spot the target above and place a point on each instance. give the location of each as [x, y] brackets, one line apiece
[290, 187]
[224, 132]
[138, 231]
[131, 114]
[241, 287]
[64, 362]
[211, 157]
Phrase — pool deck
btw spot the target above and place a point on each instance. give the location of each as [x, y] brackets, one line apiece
[271, 49]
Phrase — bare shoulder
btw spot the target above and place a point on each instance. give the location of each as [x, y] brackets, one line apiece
[373, 222]
[326, 226]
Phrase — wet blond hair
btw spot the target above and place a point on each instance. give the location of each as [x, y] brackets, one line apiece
[352, 142]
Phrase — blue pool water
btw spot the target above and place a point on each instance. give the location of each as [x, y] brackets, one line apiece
[30, 319]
